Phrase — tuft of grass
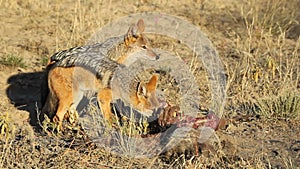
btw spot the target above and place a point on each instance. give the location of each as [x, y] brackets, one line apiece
[44, 60]
[13, 61]
[286, 106]
[6, 127]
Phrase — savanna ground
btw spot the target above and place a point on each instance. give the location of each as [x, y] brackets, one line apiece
[258, 43]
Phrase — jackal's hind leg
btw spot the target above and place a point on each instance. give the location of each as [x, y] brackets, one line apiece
[72, 114]
[64, 105]
[104, 99]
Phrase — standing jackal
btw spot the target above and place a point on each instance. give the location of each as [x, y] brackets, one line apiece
[71, 73]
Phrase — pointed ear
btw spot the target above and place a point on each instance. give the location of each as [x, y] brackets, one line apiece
[129, 36]
[140, 26]
[136, 30]
[151, 85]
[129, 33]
[142, 90]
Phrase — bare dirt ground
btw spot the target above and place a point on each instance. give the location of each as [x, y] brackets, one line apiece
[258, 42]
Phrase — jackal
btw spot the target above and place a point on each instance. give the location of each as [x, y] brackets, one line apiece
[71, 73]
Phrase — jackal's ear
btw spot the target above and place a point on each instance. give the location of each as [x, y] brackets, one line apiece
[136, 30]
[130, 32]
[140, 26]
[142, 90]
[130, 36]
[151, 85]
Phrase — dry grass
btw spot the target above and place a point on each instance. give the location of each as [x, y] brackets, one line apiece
[268, 64]
[256, 42]
[6, 127]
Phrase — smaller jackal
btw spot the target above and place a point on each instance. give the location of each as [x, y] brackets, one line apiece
[74, 72]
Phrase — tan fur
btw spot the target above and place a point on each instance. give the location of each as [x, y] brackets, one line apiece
[68, 84]
[144, 98]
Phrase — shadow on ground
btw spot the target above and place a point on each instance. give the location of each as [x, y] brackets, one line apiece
[24, 92]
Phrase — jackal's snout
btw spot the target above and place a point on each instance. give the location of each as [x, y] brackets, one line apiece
[152, 54]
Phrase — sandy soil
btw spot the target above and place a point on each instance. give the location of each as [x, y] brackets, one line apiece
[34, 30]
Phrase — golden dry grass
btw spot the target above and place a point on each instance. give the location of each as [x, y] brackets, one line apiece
[258, 42]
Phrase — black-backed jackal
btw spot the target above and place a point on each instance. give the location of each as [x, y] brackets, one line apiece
[70, 73]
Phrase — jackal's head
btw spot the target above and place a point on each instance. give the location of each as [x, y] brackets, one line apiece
[136, 40]
[145, 99]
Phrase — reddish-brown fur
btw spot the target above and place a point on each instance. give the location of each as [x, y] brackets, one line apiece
[67, 86]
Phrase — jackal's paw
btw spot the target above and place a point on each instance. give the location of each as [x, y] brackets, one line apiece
[72, 116]
[169, 115]
[56, 125]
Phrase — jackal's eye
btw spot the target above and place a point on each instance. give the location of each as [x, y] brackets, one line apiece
[144, 46]
[135, 36]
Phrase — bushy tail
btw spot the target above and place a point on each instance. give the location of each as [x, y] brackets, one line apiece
[44, 89]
